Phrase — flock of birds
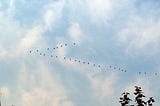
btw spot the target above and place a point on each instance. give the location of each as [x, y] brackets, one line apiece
[111, 67]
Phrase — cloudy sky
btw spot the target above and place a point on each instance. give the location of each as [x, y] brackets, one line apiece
[122, 33]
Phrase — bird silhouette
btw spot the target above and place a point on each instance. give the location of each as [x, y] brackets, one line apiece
[155, 73]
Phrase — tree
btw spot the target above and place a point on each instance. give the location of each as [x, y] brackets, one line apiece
[139, 95]
[125, 99]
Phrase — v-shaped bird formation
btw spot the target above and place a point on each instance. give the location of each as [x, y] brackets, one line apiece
[50, 53]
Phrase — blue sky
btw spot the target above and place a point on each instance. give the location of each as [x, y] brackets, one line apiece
[121, 33]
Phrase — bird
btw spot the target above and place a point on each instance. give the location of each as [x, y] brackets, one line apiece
[44, 54]
[30, 51]
[37, 50]
[65, 44]
[54, 48]
[40, 53]
[61, 45]
[47, 48]
[155, 73]
[56, 56]
[74, 43]
[64, 57]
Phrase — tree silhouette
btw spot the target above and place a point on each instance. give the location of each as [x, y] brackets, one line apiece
[139, 95]
[125, 99]
[150, 101]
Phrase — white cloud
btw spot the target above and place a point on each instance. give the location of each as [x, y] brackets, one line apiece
[41, 87]
[104, 87]
[99, 10]
[5, 91]
[141, 35]
[53, 13]
[31, 37]
[18, 37]
[3, 52]
[76, 33]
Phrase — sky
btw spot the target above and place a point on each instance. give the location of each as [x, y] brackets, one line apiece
[119, 33]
